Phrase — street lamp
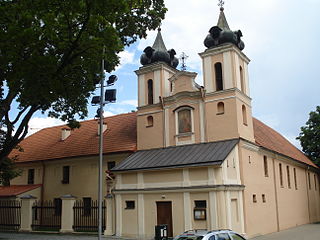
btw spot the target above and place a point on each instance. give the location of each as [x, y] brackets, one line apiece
[108, 97]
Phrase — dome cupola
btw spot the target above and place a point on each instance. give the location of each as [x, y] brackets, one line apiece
[159, 53]
[221, 34]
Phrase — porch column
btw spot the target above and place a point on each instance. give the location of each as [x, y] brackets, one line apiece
[109, 216]
[67, 213]
[26, 212]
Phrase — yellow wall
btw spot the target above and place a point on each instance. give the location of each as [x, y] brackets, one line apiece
[83, 180]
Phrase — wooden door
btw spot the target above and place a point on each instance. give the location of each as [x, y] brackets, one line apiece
[164, 215]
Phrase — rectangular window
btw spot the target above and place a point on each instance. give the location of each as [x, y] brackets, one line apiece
[65, 174]
[263, 198]
[57, 206]
[265, 165]
[280, 175]
[309, 180]
[87, 206]
[199, 212]
[254, 198]
[288, 176]
[111, 165]
[315, 182]
[130, 204]
[31, 176]
[295, 179]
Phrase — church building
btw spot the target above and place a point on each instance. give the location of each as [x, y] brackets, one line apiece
[202, 160]
[191, 157]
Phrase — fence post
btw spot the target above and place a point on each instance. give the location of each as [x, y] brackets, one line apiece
[67, 213]
[26, 212]
[109, 216]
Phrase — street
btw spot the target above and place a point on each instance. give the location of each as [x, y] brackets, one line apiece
[305, 232]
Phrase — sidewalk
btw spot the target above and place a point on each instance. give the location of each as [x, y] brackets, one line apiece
[304, 232]
[50, 236]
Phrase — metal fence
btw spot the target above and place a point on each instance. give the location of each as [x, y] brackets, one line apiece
[85, 215]
[46, 216]
[10, 215]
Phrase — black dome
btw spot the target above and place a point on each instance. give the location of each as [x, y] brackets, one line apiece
[221, 34]
[159, 53]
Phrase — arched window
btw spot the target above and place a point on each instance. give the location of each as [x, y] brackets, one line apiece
[184, 121]
[243, 86]
[149, 121]
[218, 72]
[150, 91]
[220, 108]
[244, 115]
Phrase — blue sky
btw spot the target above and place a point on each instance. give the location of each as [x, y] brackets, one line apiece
[282, 40]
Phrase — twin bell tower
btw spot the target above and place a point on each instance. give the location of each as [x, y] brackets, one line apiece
[174, 110]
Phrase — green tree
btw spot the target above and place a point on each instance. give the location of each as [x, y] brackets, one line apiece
[8, 171]
[310, 136]
[50, 54]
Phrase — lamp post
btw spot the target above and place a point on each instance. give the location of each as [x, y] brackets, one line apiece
[110, 97]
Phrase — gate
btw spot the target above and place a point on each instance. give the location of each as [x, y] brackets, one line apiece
[10, 215]
[46, 215]
[85, 215]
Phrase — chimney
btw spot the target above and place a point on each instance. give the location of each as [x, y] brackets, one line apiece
[104, 128]
[65, 133]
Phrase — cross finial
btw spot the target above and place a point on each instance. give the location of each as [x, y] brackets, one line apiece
[183, 58]
[221, 4]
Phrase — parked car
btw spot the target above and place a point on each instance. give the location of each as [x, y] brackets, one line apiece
[223, 234]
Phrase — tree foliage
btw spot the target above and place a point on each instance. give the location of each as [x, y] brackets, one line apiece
[50, 54]
[310, 136]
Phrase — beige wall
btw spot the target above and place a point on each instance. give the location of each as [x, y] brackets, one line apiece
[182, 187]
[82, 180]
[284, 207]
[23, 178]
[152, 136]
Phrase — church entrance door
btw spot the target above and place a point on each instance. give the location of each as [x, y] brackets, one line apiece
[164, 215]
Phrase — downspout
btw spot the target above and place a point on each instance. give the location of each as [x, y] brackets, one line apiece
[164, 121]
[203, 96]
[42, 189]
[42, 180]
[276, 195]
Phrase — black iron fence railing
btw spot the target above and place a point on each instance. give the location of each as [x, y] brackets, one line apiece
[85, 214]
[46, 216]
[10, 215]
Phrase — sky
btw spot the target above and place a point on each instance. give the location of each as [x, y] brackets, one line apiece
[282, 41]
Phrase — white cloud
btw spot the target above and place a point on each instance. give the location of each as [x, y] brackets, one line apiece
[126, 57]
[38, 123]
[108, 113]
[132, 102]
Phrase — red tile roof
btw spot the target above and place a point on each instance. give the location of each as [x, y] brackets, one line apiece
[46, 144]
[14, 190]
[270, 139]
[121, 136]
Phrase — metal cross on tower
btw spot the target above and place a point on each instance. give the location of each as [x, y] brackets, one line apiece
[183, 58]
[221, 4]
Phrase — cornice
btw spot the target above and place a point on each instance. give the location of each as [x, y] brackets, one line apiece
[224, 48]
[227, 187]
[155, 66]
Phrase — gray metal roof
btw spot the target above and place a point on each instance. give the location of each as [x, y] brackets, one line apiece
[202, 154]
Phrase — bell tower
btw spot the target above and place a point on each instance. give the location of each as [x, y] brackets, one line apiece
[225, 71]
[158, 66]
